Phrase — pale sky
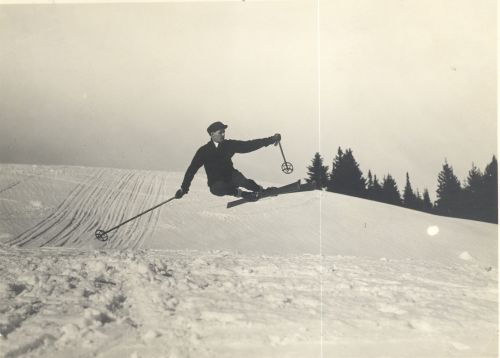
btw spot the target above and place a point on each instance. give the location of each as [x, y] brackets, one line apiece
[405, 84]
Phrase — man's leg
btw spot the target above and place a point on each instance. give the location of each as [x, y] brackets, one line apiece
[221, 188]
[239, 180]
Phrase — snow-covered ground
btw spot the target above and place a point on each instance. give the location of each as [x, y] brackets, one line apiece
[301, 275]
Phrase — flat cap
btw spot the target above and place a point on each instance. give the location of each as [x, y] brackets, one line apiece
[215, 127]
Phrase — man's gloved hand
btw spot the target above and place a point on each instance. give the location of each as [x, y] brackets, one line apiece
[277, 138]
[179, 193]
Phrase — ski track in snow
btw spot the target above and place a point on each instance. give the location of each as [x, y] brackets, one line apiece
[104, 199]
[383, 287]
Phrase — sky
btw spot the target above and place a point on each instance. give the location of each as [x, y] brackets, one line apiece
[404, 84]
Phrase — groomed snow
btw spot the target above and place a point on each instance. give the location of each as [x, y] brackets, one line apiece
[311, 274]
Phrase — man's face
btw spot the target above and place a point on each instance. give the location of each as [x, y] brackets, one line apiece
[218, 136]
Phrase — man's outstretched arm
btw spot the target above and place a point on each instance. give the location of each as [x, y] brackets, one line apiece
[240, 146]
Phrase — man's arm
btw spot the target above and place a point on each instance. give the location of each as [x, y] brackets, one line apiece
[240, 146]
[196, 164]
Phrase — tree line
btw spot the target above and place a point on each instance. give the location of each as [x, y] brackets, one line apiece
[476, 198]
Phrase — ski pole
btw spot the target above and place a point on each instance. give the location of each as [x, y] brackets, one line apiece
[102, 235]
[286, 167]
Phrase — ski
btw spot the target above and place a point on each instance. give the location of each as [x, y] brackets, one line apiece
[285, 189]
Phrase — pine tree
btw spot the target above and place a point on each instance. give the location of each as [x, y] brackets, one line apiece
[449, 193]
[369, 183]
[409, 197]
[317, 171]
[376, 192]
[390, 191]
[473, 206]
[419, 202]
[370, 187]
[489, 196]
[346, 177]
[427, 203]
[335, 167]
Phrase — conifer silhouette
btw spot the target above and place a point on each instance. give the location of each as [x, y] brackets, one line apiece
[410, 199]
[427, 205]
[318, 172]
[377, 189]
[449, 193]
[390, 192]
[346, 177]
[489, 196]
[472, 204]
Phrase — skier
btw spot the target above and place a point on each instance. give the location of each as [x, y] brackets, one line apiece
[216, 155]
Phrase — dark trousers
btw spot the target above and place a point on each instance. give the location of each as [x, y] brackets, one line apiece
[230, 187]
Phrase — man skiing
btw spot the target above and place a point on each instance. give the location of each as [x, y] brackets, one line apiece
[216, 156]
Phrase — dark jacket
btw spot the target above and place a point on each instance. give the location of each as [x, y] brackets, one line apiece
[217, 160]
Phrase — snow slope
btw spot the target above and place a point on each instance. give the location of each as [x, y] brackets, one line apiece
[302, 275]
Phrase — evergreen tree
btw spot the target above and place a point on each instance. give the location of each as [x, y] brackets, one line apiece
[390, 192]
[449, 193]
[427, 203]
[318, 172]
[346, 177]
[369, 183]
[489, 195]
[372, 187]
[473, 206]
[409, 198]
[419, 202]
[335, 165]
[376, 192]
